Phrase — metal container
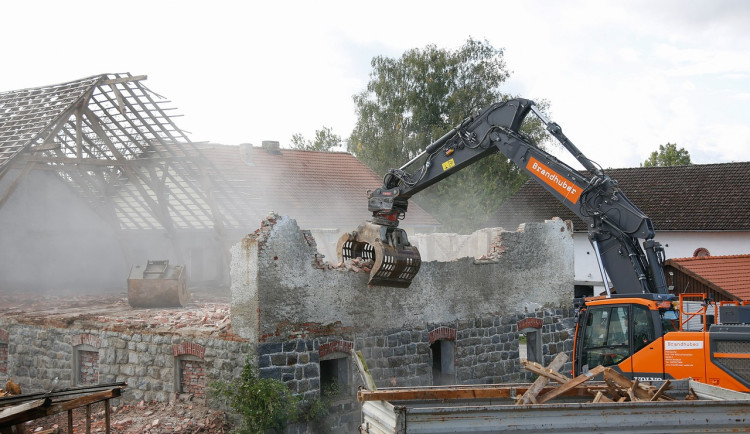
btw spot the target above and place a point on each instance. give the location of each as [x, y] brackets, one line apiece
[158, 284]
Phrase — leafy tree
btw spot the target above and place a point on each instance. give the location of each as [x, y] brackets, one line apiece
[668, 155]
[412, 101]
[325, 140]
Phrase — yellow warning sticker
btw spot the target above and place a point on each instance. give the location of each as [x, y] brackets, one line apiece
[448, 164]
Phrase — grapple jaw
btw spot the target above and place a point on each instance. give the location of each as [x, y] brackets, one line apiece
[395, 261]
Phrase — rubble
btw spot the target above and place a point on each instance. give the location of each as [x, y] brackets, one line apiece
[143, 417]
[112, 312]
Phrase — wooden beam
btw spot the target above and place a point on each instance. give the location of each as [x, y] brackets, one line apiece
[18, 413]
[125, 79]
[530, 395]
[489, 391]
[571, 384]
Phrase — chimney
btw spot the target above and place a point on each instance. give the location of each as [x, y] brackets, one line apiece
[246, 153]
[271, 146]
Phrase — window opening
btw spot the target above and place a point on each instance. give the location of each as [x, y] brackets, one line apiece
[533, 345]
[191, 376]
[443, 362]
[334, 375]
[87, 365]
[3, 358]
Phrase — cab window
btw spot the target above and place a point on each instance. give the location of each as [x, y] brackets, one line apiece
[606, 339]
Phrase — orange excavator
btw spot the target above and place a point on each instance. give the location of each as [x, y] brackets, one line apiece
[639, 326]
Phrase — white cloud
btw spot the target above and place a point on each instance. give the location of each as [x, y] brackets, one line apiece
[621, 77]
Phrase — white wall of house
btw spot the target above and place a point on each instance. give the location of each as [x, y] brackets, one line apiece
[677, 244]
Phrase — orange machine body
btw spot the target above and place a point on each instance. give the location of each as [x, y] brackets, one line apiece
[647, 339]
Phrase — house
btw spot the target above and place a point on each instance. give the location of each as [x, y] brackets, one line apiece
[697, 210]
[722, 278]
[96, 177]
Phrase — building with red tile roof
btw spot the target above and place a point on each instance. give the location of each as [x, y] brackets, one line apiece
[697, 209]
[724, 278]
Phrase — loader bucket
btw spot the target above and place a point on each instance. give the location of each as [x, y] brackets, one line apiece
[158, 284]
[395, 261]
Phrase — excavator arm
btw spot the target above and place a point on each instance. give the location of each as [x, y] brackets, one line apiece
[615, 224]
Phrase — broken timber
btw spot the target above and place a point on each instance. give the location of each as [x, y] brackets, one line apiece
[530, 396]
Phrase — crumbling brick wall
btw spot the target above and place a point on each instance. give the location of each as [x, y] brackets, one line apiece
[281, 293]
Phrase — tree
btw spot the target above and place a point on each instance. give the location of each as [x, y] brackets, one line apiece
[668, 155]
[325, 140]
[412, 101]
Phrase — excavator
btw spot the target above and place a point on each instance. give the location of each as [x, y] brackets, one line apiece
[638, 325]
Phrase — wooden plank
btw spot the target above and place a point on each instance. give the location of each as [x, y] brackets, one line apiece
[542, 381]
[88, 418]
[538, 369]
[106, 416]
[571, 384]
[125, 79]
[490, 391]
[18, 413]
[364, 373]
[661, 390]
[639, 391]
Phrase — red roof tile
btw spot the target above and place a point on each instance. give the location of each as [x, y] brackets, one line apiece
[730, 273]
[320, 190]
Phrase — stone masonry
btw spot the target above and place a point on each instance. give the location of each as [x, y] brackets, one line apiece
[146, 362]
[292, 305]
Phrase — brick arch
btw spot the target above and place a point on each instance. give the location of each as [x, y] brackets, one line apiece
[189, 348]
[443, 333]
[530, 323]
[337, 346]
[4, 336]
[86, 339]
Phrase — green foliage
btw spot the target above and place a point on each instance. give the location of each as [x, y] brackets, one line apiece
[262, 403]
[668, 155]
[412, 101]
[325, 140]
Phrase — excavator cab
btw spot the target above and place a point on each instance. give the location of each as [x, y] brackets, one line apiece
[395, 262]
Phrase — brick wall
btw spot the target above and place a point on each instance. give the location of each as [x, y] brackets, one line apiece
[193, 378]
[3, 358]
[88, 367]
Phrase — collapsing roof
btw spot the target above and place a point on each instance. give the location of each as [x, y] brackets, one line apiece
[699, 197]
[112, 141]
[322, 190]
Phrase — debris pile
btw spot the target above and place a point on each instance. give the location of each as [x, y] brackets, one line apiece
[144, 417]
[617, 388]
[112, 312]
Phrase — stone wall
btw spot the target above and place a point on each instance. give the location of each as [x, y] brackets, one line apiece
[301, 311]
[279, 293]
[146, 362]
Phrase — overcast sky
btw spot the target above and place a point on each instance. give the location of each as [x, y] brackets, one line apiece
[621, 77]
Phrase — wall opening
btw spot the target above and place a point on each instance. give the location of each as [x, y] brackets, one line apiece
[191, 375]
[443, 362]
[4, 337]
[334, 374]
[533, 345]
[86, 365]
[3, 358]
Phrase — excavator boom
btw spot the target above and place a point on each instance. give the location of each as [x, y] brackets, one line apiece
[615, 224]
